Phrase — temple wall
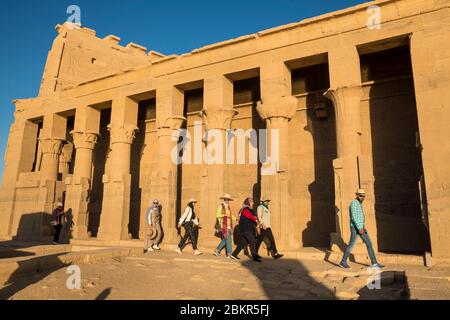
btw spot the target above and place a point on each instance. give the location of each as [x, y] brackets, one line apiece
[329, 124]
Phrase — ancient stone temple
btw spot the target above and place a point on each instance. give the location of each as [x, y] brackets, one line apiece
[354, 104]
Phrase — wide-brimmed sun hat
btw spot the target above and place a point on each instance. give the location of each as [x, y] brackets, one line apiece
[226, 196]
[360, 192]
[265, 199]
[192, 200]
[152, 233]
[59, 205]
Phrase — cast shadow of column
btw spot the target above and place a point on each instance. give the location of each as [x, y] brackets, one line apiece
[288, 279]
[23, 276]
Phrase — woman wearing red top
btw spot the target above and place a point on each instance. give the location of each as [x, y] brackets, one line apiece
[247, 224]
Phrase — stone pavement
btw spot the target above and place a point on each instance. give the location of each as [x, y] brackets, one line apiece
[166, 275]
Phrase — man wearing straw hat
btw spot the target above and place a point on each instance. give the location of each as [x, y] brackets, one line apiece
[357, 227]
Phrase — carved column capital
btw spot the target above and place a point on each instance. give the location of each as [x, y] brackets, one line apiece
[84, 139]
[167, 126]
[343, 95]
[277, 107]
[173, 122]
[51, 146]
[218, 119]
[122, 133]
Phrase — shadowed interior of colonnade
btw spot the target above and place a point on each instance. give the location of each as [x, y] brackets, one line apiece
[312, 151]
[99, 163]
[246, 94]
[143, 155]
[390, 109]
[239, 179]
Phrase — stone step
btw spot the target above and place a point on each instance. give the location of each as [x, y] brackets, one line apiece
[11, 269]
[94, 243]
[27, 250]
[308, 253]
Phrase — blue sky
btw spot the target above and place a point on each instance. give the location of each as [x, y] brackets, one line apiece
[27, 32]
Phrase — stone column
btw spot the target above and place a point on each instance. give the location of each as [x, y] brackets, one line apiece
[217, 115]
[431, 71]
[345, 94]
[19, 157]
[166, 188]
[52, 139]
[277, 107]
[117, 182]
[65, 158]
[169, 119]
[84, 143]
[51, 150]
[79, 185]
[85, 135]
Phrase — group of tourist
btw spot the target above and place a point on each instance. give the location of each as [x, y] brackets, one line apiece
[248, 227]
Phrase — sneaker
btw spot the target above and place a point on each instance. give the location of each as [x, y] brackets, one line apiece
[277, 256]
[233, 257]
[344, 265]
[155, 247]
[54, 242]
[178, 251]
[197, 253]
[150, 250]
[256, 259]
[216, 253]
[377, 265]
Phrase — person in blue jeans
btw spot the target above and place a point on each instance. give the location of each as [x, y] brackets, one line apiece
[357, 227]
[226, 222]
